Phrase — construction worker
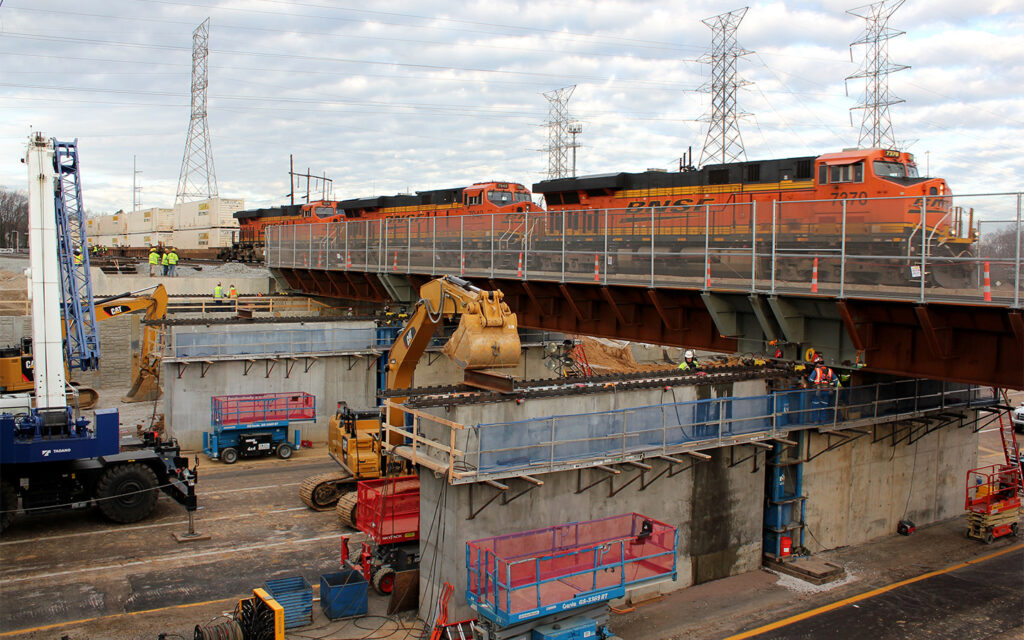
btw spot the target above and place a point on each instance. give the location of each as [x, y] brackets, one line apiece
[172, 261]
[154, 259]
[822, 376]
[232, 292]
[218, 293]
[78, 256]
[164, 262]
[690, 362]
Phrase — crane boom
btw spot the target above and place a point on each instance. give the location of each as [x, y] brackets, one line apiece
[44, 277]
[81, 333]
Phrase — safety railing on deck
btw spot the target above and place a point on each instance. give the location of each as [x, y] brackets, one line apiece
[469, 453]
[920, 249]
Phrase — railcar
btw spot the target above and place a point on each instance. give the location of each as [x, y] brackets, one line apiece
[870, 205]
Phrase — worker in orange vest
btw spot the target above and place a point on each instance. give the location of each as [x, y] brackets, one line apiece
[232, 292]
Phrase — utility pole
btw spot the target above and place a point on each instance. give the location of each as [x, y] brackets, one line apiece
[136, 190]
[574, 129]
[876, 127]
[723, 142]
[197, 179]
[323, 184]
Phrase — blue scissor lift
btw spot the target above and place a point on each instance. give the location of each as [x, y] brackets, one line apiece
[256, 424]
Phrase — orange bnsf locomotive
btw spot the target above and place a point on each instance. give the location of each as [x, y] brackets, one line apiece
[248, 243]
[880, 190]
[479, 198]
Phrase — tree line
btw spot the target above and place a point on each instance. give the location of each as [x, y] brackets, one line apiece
[13, 218]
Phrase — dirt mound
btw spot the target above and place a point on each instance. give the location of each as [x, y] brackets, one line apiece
[13, 293]
[611, 356]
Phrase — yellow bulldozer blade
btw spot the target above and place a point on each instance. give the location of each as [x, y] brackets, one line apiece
[484, 343]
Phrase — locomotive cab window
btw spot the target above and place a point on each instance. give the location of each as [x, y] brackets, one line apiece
[500, 198]
[323, 212]
[846, 173]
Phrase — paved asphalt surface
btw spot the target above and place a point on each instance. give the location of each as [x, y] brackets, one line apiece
[975, 601]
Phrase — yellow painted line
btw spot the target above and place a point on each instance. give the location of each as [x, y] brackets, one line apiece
[868, 594]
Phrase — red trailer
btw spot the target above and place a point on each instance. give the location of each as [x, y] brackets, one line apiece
[992, 501]
[388, 511]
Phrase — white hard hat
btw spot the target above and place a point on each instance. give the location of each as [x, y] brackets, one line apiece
[688, 354]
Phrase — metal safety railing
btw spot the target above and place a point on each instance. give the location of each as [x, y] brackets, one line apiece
[918, 249]
[469, 453]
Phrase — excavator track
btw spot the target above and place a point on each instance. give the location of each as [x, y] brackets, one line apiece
[321, 492]
[346, 508]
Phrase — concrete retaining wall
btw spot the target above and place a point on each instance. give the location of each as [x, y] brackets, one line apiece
[197, 285]
[861, 490]
[717, 509]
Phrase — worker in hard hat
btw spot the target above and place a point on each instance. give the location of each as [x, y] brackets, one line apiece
[232, 292]
[79, 259]
[165, 262]
[154, 260]
[172, 261]
[690, 362]
[218, 293]
[822, 376]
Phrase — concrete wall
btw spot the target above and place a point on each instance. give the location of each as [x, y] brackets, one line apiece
[187, 399]
[104, 284]
[717, 511]
[861, 490]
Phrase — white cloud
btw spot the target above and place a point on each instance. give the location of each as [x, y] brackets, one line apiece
[402, 97]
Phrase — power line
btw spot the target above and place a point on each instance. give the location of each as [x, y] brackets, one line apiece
[559, 125]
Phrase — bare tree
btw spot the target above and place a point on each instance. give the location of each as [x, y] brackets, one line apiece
[13, 218]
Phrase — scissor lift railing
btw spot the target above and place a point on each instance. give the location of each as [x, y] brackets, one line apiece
[527, 575]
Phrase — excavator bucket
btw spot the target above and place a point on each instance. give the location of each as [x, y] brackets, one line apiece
[487, 336]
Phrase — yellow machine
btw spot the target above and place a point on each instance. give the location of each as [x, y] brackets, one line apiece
[487, 337]
[16, 362]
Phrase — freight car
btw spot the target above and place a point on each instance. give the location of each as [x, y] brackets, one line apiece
[865, 202]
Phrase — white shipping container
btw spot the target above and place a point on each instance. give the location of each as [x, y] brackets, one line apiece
[138, 221]
[209, 238]
[208, 214]
[149, 239]
[163, 219]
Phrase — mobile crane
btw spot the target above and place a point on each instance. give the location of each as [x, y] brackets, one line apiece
[487, 337]
[50, 457]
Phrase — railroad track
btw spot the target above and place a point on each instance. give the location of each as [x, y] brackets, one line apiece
[464, 394]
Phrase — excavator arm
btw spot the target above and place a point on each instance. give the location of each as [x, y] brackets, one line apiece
[487, 336]
[145, 363]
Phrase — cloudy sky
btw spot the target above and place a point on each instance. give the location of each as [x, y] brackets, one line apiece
[408, 96]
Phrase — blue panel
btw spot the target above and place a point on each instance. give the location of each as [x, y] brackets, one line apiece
[296, 596]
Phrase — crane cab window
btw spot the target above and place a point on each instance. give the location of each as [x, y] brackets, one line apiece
[832, 174]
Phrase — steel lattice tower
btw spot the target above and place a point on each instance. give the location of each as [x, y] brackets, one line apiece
[559, 123]
[723, 142]
[198, 180]
[876, 128]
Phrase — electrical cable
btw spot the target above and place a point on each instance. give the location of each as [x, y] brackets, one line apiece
[71, 504]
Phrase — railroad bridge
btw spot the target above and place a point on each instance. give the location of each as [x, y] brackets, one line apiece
[889, 313]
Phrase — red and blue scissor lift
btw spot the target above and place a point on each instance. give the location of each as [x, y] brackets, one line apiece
[556, 583]
[256, 424]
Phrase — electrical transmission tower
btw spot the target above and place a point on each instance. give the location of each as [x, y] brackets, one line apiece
[723, 143]
[560, 127]
[198, 180]
[876, 128]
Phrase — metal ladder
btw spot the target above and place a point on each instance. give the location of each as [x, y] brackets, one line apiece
[1006, 433]
[81, 342]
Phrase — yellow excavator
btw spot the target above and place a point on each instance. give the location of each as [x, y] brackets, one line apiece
[487, 338]
[16, 362]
